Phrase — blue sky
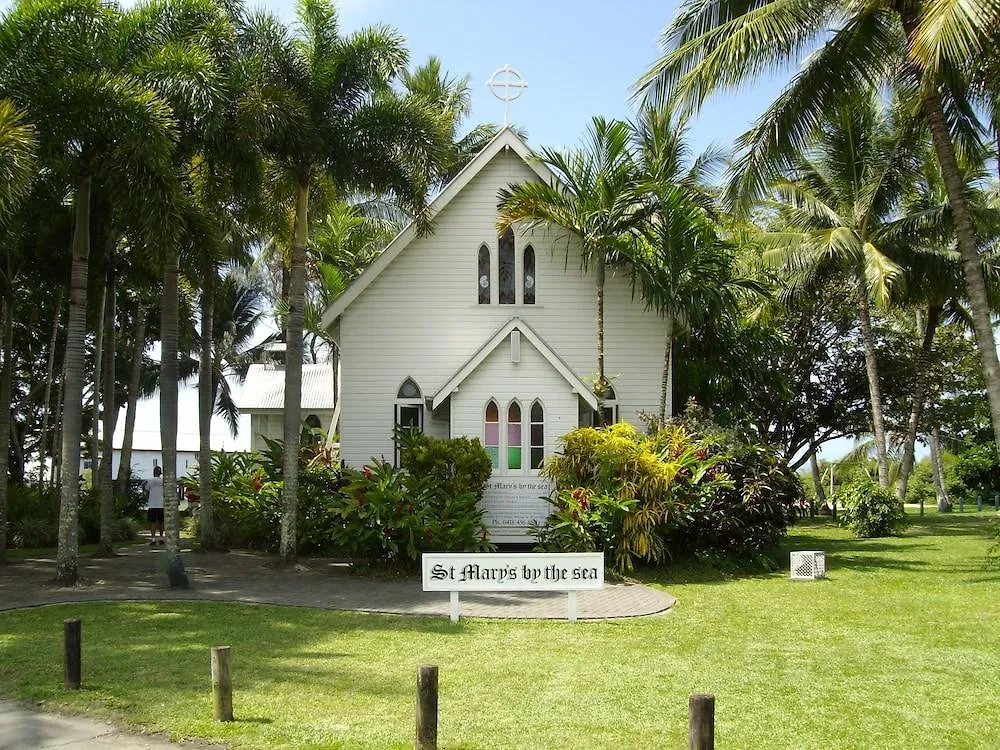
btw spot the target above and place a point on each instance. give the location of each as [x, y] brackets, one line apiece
[579, 58]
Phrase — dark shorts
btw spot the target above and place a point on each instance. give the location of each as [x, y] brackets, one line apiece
[154, 515]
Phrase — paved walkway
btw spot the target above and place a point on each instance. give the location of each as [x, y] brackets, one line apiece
[22, 728]
[140, 573]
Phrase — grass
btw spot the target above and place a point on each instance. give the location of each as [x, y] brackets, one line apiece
[895, 650]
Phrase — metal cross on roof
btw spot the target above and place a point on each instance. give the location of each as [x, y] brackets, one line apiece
[501, 88]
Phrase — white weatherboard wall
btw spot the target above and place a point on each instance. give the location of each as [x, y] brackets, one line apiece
[419, 318]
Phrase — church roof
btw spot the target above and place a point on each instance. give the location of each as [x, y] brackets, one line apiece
[514, 324]
[505, 139]
[264, 387]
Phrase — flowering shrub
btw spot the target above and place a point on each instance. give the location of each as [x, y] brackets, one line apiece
[650, 497]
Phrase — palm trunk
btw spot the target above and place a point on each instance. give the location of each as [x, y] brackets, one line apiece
[816, 476]
[944, 503]
[47, 403]
[6, 387]
[135, 372]
[874, 390]
[95, 407]
[169, 324]
[55, 475]
[106, 546]
[917, 400]
[72, 415]
[601, 380]
[971, 262]
[206, 400]
[293, 375]
[668, 348]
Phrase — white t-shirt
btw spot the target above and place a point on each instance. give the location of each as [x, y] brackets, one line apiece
[155, 492]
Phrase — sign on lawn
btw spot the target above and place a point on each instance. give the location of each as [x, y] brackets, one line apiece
[511, 504]
[513, 571]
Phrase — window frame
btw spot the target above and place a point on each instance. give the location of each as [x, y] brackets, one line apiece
[407, 402]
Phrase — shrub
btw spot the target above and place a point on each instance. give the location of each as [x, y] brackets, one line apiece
[29, 533]
[869, 511]
[458, 465]
[390, 516]
[673, 492]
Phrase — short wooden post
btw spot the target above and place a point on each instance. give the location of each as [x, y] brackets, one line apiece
[427, 707]
[453, 601]
[701, 721]
[72, 642]
[571, 606]
[222, 684]
[979, 503]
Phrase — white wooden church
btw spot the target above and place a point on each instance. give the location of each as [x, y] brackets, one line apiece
[464, 333]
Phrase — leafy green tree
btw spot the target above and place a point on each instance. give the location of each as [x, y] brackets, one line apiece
[333, 112]
[101, 125]
[922, 49]
[591, 197]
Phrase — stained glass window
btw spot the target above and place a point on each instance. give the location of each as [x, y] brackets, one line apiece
[492, 433]
[484, 275]
[529, 275]
[514, 436]
[507, 268]
[537, 435]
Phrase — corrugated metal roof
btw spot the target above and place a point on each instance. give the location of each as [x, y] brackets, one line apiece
[264, 387]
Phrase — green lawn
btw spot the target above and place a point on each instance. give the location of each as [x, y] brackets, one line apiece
[897, 649]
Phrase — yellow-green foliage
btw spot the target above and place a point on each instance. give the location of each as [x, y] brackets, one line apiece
[660, 473]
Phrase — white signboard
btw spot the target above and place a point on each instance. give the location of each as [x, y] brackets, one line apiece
[509, 571]
[511, 504]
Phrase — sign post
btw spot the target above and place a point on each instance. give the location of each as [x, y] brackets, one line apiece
[513, 571]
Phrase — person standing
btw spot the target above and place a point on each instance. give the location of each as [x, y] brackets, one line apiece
[154, 506]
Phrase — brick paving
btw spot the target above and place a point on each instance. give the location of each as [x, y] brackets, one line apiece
[139, 573]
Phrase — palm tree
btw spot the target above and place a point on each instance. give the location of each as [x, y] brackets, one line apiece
[591, 197]
[453, 98]
[920, 48]
[683, 267]
[334, 113]
[17, 157]
[103, 126]
[838, 206]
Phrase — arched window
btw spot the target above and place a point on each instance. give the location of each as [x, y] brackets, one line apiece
[409, 408]
[537, 435]
[507, 268]
[484, 275]
[609, 413]
[313, 423]
[514, 435]
[529, 275]
[491, 433]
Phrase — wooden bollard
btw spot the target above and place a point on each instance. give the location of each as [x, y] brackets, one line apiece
[427, 707]
[222, 684]
[72, 646]
[701, 721]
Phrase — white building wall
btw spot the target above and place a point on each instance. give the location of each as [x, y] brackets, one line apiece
[143, 461]
[270, 424]
[420, 317]
[529, 379]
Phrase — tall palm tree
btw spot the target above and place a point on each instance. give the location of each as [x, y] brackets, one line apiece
[591, 197]
[683, 267]
[839, 205]
[17, 164]
[101, 125]
[334, 112]
[922, 48]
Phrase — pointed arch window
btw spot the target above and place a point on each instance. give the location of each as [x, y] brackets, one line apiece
[491, 433]
[514, 435]
[409, 409]
[530, 280]
[537, 442]
[484, 275]
[506, 257]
